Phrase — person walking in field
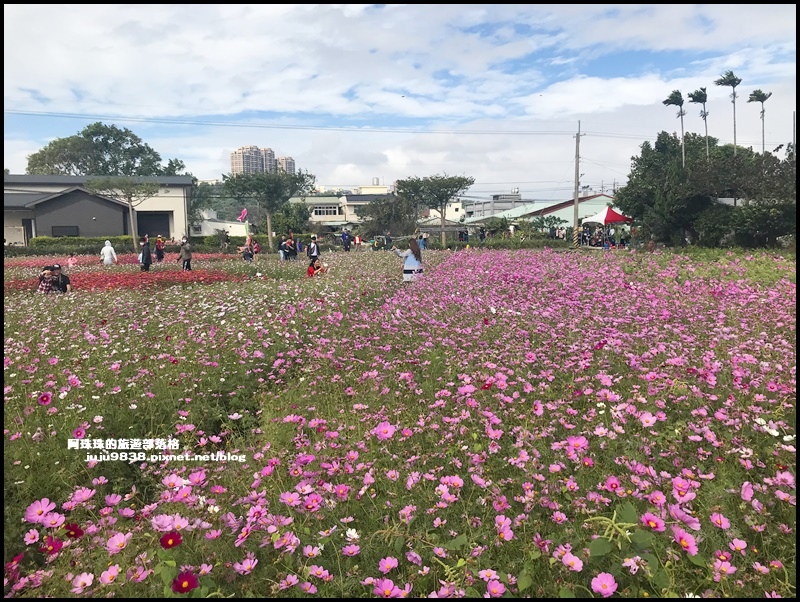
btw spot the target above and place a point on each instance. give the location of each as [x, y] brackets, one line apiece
[412, 266]
[185, 254]
[107, 254]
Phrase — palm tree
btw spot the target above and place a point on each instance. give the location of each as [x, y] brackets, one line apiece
[701, 97]
[759, 96]
[676, 100]
[730, 80]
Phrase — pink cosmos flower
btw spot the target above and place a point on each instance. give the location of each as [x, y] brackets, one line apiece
[738, 545]
[604, 584]
[116, 543]
[384, 431]
[108, 577]
[385, 588]
[36, 512]
[31, 537]
[684, 540]
[572, 562]
[246, 566]
[653, 522]
[495, 588]
[78, 433]
[387, 564]
[718, 520]
[45, 398]
[81, 582]
[351, 550]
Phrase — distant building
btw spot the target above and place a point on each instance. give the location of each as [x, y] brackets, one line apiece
[56, 205]
[209, 224]
[286, 164]
[253, 159]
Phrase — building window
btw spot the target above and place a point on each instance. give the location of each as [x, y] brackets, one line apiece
[197, 229]
[326, 210]
[65, 231]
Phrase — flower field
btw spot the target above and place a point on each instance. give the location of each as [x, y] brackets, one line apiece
[514, 424]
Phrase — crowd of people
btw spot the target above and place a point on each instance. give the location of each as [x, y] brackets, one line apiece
[53, 280]
[600, 236]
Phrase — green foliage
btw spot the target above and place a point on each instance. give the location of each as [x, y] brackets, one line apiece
[435, 192]
[263, 194]
[395, 213]
[673, 204]
[101, 150]
[292, 217]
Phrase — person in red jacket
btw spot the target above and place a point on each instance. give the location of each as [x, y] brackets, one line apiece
[316, 268]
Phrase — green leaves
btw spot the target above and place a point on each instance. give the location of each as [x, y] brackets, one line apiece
[600, 547]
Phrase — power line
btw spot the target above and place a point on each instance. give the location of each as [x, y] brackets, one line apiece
[355, 129]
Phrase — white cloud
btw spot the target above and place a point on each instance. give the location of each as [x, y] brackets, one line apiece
[526, 73]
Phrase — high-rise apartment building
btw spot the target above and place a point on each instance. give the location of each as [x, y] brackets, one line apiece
[286, 164]
[252, 159]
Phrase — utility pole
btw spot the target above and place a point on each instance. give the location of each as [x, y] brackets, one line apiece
[575, 234]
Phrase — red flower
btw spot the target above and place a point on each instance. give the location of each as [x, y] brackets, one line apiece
[184, 582]
[170, 540]
[51, 545]
[73, 531]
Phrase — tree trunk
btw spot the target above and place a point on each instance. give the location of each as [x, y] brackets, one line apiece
[133, 227]
[443, 208]
[683, 146]
[269, 230]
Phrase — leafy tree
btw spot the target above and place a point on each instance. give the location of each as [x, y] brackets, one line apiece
[672, 204]
[292, 217]
[132, 191]
[391, 212]
[676, 100]
[101, 150]
[435, 192]
[543, 223]
[731, 81]
[268, 193]
[700, 96]
[497, 225]
[762, 97]
[201, 197]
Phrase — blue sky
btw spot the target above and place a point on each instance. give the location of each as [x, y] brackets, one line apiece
[353, 91]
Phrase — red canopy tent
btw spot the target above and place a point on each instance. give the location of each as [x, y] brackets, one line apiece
[607, 216]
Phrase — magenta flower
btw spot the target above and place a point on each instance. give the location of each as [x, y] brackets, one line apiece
[387, 564]
[384, 431]
[108, 577]
[31, 537]
[718, 520]
[385, 588]
[604, 584]
[184, 582]
[495, 588]
[246, 566]
[653, 522]
[572, 562]
[351, 550]
[81, 582]
[684, 540]
[78, 433]
[45, 398]
[36, 512]
[117, 543]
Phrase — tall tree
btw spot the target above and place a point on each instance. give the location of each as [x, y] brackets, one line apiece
[390, 212]
[130, 190]
[101, 150]
[762, 97]
[676, 100]
[436, 192]
[268, 192]
[700, 96]
[731, 81]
